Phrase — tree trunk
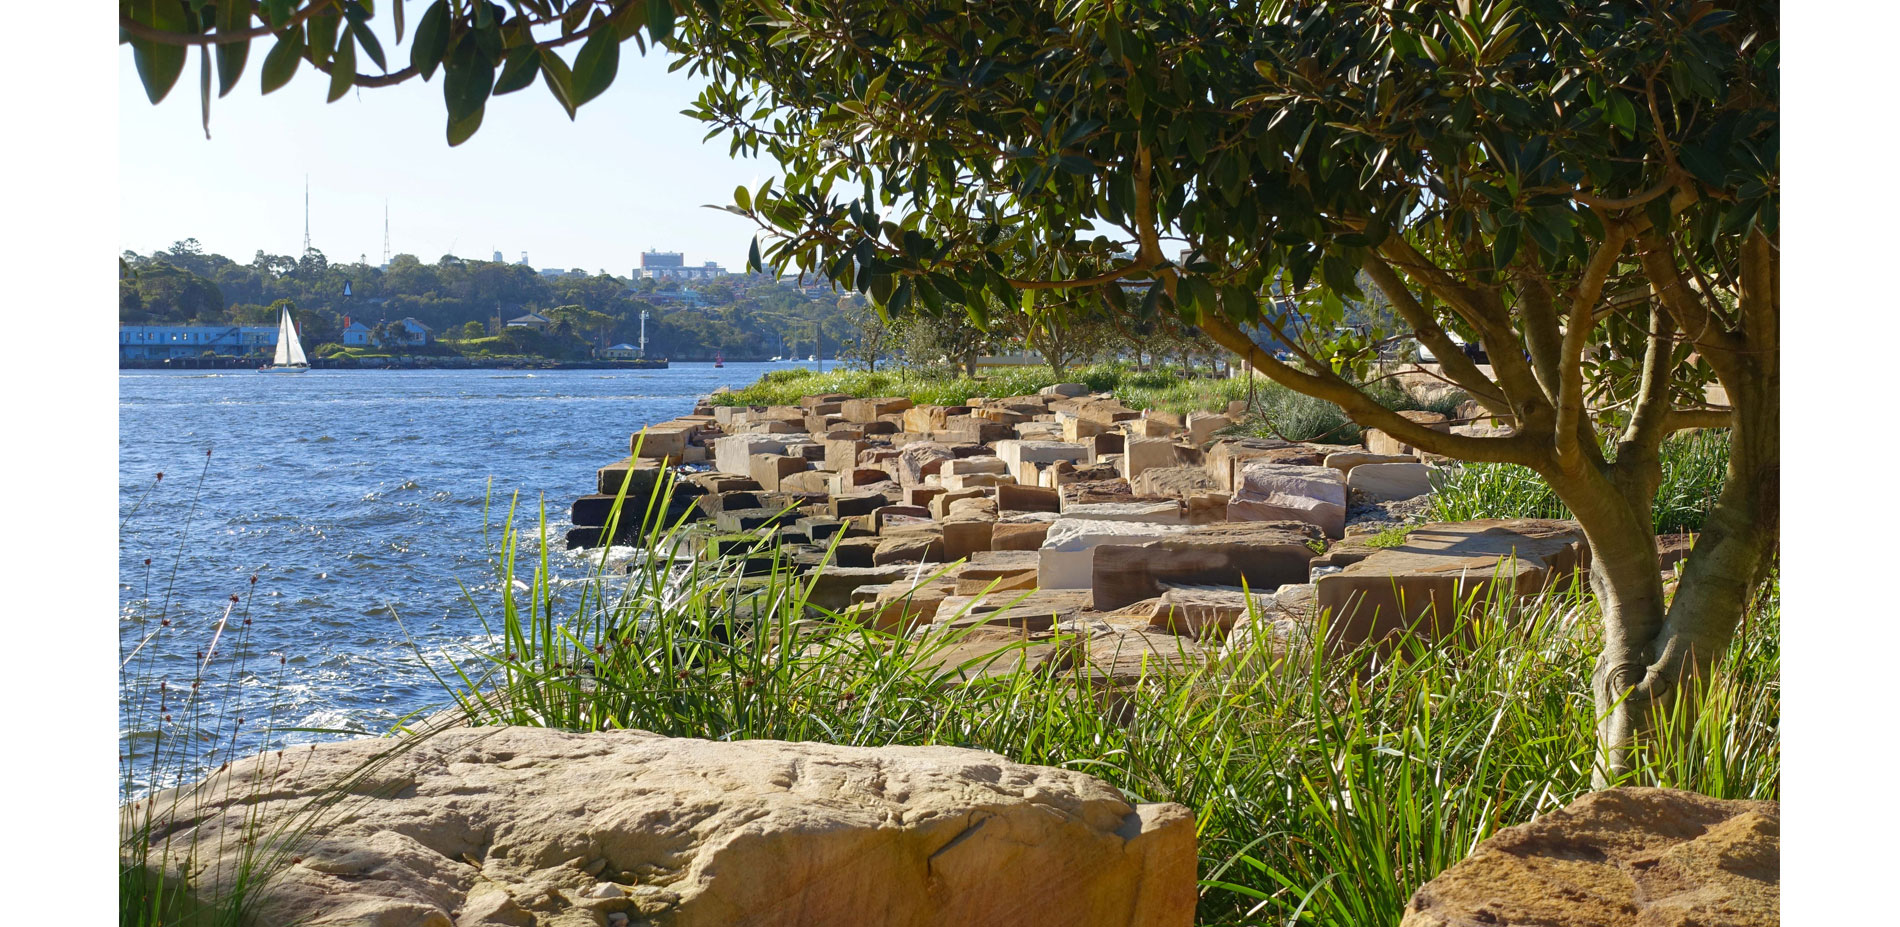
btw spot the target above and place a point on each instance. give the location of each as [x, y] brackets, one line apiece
[1654, 661]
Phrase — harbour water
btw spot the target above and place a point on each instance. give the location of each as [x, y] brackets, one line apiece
[367, 504]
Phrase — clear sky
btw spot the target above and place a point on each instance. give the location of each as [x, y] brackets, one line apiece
[629, 174]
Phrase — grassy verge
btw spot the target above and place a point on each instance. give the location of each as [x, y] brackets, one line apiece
[1275, 410]
[1326, 791]
[1693, 468]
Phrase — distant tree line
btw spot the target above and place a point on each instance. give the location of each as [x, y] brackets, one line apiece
[463, 300]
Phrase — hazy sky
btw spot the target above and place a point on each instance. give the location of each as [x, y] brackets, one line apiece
[628, 175]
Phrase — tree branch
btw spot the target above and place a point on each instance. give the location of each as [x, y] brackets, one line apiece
[1459, 369]
[1516, 448]
[1570, 424]
[139, 30]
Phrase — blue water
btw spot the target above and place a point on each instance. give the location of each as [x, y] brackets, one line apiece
[357, 499]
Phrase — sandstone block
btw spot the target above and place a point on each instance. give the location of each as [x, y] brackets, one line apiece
[698, 832]
[940, 503]
[1421, 584]
[658, 442]
[1345, 461]
[1380, 482]
[1225, 457]
[1625, 857]
[916, 546]
[1202, 425]
[1143, 454]
[1018, 535]
[920, 460]
[1179, 482]
[1068, 549]
[1273, 492]
[810, 482]
[1018, 498]
[963, 536]
[770, 469]
[1153, 513]
[1015, 453]
[871, 410]
[1261, 556]
[1206, 508]
[733, 453]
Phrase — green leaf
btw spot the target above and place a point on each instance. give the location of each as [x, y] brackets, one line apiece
[432, 39]
[371, 46]
[232, 17]
[595, 66]
[342, 69]
[519, 70]
[280, 65]
[320, 39]
[742, 197]
[461, 129]
[1504, 247]
[559, 80]
[158, 64]
[467, 80]
[752, 262]
[659, 21]
[1619, 110]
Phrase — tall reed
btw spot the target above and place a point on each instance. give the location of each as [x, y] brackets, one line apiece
[1327, 789]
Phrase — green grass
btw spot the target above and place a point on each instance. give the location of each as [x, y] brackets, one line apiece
[1694, 466]
[1391, 537]
[1325, 790]
[1276, 410]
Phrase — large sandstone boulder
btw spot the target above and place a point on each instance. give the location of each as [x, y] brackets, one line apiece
[1265, 491]
[1422, 583]
[1068, 548]
[528, 827]
[1629, 857]
[1263, 555]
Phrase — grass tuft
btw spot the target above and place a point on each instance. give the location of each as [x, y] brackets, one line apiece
[1326, 790]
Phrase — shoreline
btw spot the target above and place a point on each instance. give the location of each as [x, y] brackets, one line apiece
[400, 363]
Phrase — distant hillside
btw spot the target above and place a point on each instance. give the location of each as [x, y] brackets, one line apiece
[742, 317]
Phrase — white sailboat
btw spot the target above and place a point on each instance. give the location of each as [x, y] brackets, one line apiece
[290, 357]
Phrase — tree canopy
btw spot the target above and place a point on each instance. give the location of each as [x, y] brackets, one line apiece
[1587, 188]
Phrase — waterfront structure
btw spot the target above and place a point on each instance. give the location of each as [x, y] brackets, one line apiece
[534, 320]
[620, 352]
[355, 334]
[415, 334]
[162, 342]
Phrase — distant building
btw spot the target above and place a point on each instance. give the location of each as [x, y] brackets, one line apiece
[620, 352]
[498, 257]
[160, 342]
[356, 335]
[533, 320]
[671, 265]
[415, 334]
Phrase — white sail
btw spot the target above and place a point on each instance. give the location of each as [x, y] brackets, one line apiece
[289, 349]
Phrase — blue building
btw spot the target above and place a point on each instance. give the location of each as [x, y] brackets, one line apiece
[162, 342]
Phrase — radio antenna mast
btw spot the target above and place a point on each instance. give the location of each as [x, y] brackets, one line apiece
[385, 233]
[306, 213]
